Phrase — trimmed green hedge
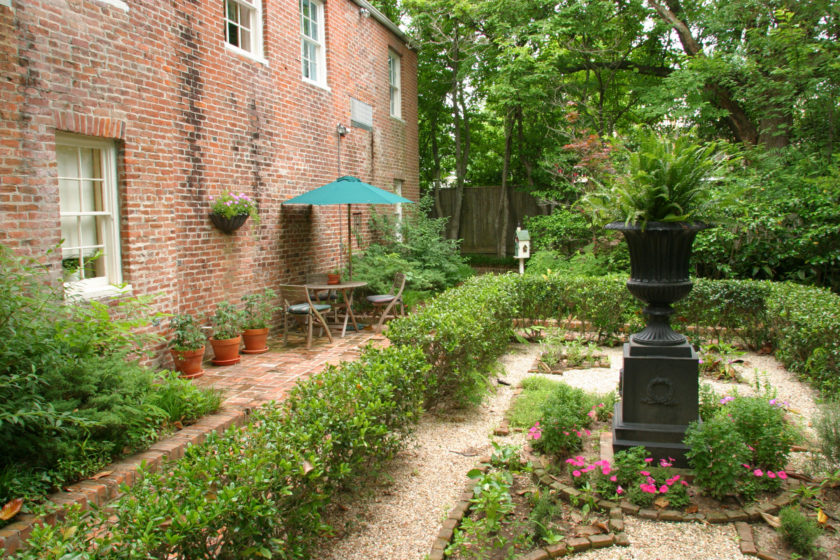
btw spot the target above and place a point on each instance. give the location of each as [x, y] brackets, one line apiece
[461, 331]
[800, 322]
[259, 491]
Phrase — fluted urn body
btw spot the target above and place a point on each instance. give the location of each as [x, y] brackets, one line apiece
[659, 258]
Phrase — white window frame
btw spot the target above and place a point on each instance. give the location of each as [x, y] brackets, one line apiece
[316, 43]
[110, 283]
[395, 84]
[248, 23]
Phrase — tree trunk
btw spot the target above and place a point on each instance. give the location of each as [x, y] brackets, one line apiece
[502, 217]
[742, 127]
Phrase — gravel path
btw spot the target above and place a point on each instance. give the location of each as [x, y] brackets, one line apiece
[398, 517]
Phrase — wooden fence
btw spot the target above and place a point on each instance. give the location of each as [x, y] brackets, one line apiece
[479, 209]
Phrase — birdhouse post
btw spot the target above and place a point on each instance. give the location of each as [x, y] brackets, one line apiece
[523, 247]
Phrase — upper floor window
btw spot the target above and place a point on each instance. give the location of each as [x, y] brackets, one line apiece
[394, 81]
[87, 192]
[243, 28]
[313, 50]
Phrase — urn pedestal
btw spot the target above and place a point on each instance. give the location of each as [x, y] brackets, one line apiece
[659, 381]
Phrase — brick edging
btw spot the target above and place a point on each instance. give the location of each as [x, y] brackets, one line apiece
[96, 493]
[741, 517]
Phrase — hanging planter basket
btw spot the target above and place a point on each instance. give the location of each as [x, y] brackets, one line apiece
[228, 225]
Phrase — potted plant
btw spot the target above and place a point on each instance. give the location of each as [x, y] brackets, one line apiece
[227, 329]
[229, 211]
[334, 276]
[187, 345]
[658, 204]
[256, 318]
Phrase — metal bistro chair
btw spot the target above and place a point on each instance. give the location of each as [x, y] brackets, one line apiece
[386, 303]
[298, 306]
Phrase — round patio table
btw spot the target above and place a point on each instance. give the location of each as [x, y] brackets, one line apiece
[346, 289]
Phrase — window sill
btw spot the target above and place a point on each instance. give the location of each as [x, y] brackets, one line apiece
[318, 85]
[246, 54]
[72, 292]
[398, 119]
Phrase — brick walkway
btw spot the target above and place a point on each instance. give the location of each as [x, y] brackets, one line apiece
[260, 378]
[255, 380]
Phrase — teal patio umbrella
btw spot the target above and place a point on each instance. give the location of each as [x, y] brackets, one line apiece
[347, 190]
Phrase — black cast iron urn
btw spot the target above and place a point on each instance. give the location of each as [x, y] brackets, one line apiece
[659, 255]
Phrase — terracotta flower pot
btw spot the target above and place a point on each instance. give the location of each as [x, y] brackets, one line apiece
[188, 362]
[333, 278]
[226, 351]
[254, 340]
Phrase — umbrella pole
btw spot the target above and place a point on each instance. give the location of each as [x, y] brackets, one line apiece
[349, 246]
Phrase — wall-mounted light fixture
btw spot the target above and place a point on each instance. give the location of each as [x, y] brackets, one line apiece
[364, 12]
[341, 130]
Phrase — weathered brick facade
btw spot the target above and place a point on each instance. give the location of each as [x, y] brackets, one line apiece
[194, 118]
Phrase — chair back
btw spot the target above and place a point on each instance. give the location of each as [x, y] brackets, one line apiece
[398, 285]
[293, 294]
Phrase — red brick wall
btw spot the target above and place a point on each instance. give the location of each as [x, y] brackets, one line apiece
[193, 119]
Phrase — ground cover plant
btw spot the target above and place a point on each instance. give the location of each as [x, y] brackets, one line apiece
[568, 352]
[72, 396]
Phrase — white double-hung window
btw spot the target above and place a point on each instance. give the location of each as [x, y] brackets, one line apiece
[313, 48]
[243, 26]
[89, 209]
[395, 82]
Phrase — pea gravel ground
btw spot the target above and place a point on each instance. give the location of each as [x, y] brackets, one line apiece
[397, 516]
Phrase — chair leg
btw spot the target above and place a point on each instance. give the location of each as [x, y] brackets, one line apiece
[385, 315]
[309, 332]
[285, 329]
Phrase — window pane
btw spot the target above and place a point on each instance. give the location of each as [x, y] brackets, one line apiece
[232, 10]
[68, 195]
[233, 34]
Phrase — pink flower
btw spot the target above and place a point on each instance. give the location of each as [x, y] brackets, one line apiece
[683, 482]
[649, 460]
[746, 466]
[575, 474]
[771, 474]
[565, 433]
[605, 470]
[587, 432]
[535, 432]
[758, 472]
[591, 414]
[619, 490]
[614, 478]
[663, 489]
[665, 464]
[782, 475]
[600, 405]
[644, 473]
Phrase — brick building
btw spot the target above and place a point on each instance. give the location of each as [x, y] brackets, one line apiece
[120, 118]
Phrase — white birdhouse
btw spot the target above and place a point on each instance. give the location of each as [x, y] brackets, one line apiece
[523, 244]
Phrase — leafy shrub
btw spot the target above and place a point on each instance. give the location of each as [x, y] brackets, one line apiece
[71, 396]
[798, 530]
[762, 426]
[564, 419]
[462, 331]
[563, 231]
[181, 400]
[828, 431]
[742, 448]
[258, 490]
[526, 409]
[416, 247]
[717, 455]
